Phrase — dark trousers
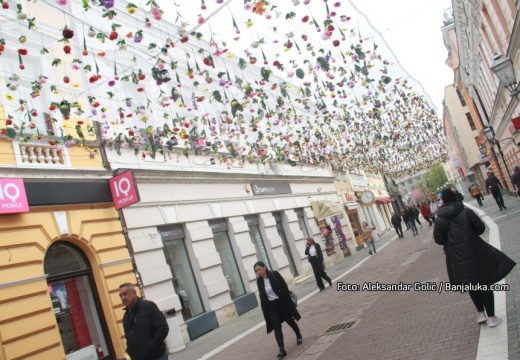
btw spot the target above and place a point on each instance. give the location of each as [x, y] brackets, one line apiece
[479, 199]
[499, 199]
[399, 230]
[429, 221]
[417, 219]
[484, 300]
[319, 273]
[277, 316]
[411, 224]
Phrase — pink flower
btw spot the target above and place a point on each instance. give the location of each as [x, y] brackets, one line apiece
[62, 2]
[156, 13]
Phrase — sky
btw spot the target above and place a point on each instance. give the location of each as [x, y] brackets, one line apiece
[412, 28]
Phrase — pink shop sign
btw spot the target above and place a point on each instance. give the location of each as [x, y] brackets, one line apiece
[124, 191]
[13, 199]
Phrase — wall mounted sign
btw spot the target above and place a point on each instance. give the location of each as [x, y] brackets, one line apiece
[270, 188]
[13, 199]
[124, 191]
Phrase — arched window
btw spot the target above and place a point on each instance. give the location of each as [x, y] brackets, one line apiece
[75, 302]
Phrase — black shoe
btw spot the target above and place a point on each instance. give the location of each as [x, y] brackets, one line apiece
[299, 340]
[330, 283]
[281, 354]
[504, 207]
[321, 289]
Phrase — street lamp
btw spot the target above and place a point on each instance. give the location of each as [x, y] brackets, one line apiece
[483, 149]
[503, 68]
[489, 133]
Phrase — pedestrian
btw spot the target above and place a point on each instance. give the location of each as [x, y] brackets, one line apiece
[315, 257]
[277, 305]
[368, 238]
[416, 213]
[458, 195]
[516, 179]
[494, 186]
[144, 325]
[475, 191]
[405, 215]
[396, 222]
[411, 221]
[470, 260]
[425, 211]
[435, 203]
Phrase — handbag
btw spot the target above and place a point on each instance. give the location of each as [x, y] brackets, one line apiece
[294, 298]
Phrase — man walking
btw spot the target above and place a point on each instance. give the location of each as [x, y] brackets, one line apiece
[396, 221]
[145, 326]
[516, 179]
[494, 186]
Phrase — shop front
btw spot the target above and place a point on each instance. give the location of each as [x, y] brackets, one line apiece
[61, 262]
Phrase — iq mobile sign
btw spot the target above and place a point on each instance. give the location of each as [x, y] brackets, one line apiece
[124, 191]
[12, 196]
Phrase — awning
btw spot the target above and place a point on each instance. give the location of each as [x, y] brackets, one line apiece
[384, 201]
[325, 209]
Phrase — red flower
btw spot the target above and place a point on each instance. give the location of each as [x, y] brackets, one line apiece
[66, 49]
[142, 77]
[131, 132]
[330, 28]
[79, 122]
[66, 79]
[184, 39]
[34, 113]
[22, 52]
[305, 18]
[335, 43]
[5, 5]
[67, 33]
[85, 52]
[52, 107]
[140, 89]
[113, 35]
[9, 122]
[96, 104]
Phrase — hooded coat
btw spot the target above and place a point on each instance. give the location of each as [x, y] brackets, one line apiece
[280, 288]
[469, 259]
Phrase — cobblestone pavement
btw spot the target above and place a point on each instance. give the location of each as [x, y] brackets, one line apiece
[508, 222]
[387, 324]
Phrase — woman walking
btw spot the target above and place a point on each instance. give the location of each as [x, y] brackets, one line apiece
[425, 211]
[469, 259]
[369, 239]
[315, 257]
[277, 306]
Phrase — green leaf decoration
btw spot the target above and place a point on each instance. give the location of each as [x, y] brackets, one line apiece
[300, 73]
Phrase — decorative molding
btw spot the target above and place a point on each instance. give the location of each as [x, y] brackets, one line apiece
[22, 281]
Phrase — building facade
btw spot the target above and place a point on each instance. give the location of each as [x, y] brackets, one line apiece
[485, 29]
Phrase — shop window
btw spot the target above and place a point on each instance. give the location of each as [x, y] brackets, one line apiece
[302, 223]
[285, 243]
[75, 303]
[227, 256]
[182, 272]
[258, 241]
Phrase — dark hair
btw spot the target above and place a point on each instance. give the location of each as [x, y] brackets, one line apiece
[126, 285]
[517, 168]
[259, 263]
[448, 195]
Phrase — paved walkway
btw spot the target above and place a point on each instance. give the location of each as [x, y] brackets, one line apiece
[402, 324]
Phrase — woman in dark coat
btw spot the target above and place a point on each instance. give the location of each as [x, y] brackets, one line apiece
[469, 259]
[277, 306]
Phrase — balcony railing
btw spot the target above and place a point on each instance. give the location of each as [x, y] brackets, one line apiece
[35, 154]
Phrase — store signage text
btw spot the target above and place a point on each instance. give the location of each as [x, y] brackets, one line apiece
[270, 188]
[124, 191]
[13, 199]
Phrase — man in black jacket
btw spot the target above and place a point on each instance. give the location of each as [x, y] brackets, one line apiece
[516, 179]
[145, 326]
[493, 186]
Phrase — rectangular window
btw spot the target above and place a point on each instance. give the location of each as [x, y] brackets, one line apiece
[256, 238]
[470, 121]
[183, 278]
[302, 224]
[461, 98]
[227, 256]
[285, 243]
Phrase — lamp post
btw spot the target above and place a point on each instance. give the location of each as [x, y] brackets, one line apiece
[503, 68]
[489, 133]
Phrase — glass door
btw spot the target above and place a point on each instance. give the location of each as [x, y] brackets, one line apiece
[75, 303]
[258, 242]
[285, 243]
[228, 259]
